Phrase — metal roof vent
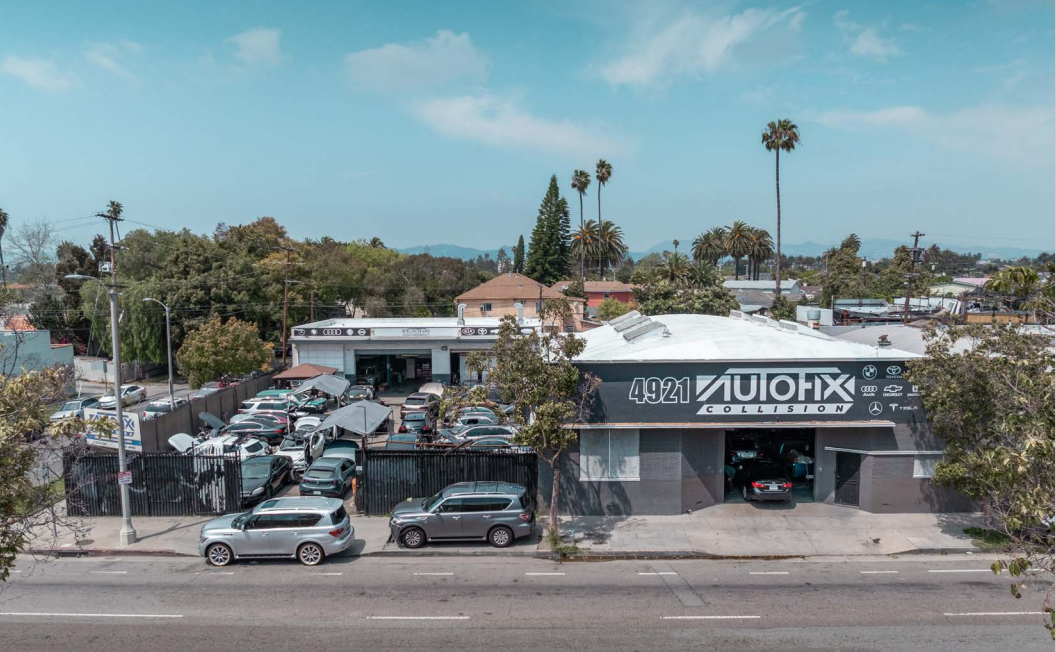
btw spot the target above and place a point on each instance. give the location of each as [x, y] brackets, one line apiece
[883, 341]
[643, 330]
[761, 319]
[627, 316]
[632, 323]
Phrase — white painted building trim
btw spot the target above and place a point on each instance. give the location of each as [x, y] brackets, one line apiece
[879, 453]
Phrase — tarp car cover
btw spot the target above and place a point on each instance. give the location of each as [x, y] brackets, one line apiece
[331, 385]
[362, 417]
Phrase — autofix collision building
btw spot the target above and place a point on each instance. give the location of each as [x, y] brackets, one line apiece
[685, 399]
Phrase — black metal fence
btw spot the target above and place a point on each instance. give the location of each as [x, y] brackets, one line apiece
[390, 477]
[162, 484]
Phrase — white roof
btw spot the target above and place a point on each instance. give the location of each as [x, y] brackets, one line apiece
[409, 322]
[786, 284]
[693, 338]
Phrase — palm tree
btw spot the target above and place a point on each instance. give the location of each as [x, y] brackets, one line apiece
[738, 244]
[702, 274]
[778, 136]
[852, 242]
[676, 267]
[580, 181]
[376, 243]
[3, 228]
[585, 241]
[762, 249]
[709, 247]
[611, 247]
[603, 172]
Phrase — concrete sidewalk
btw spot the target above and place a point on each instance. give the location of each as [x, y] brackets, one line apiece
[765, 530]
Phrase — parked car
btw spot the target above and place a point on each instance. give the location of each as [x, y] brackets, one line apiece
[342, 448]
[434, 388]
[270, 433]
[419, 422]
[743, 447]
[328, 476]
[765, 481]
[203, 392]
[497, 512]
[360, 393]
[255, 405]
[402, 442]
[307, 529]
[222, 445]
[489, 443]
[273, 393]
[478, 410]
[263, 476]
[75, 408]
[306, 422]
[261, 417]
[130, 395]
[419, 402]
[469, 433]
[302, 448]
[301, 404]
[161, 406]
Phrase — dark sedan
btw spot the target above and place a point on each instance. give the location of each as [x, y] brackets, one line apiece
[328, 476]
[419, 423]
[272, 433]
[263, 476]
[765, 481]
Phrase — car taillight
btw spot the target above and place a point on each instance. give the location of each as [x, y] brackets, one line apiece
[758, 485]
[525, 516]
[787, 485]
[337, 532]
[426, 429]
[403, 428]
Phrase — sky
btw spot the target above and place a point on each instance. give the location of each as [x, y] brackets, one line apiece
[441, 122]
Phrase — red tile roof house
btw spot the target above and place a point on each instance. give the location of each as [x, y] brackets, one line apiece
[598, 291]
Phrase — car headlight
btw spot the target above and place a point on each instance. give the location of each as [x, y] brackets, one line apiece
[258, 491]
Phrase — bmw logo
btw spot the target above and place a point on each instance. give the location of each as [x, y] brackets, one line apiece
[869, 372]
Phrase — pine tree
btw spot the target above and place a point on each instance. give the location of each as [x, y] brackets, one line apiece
[502, 261]
[548, 248]
[518, 255]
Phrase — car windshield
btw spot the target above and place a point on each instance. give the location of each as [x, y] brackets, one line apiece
[415, 416]
[289, 443]
[157, 408]
[72, 405]
[240, 520]
[320, 474]
[429, 503]
[414, 400]
[255, 471]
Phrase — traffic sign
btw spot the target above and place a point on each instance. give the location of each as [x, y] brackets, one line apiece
[124, 477]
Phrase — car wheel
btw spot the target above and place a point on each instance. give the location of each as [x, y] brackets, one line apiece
[744, 494]
[500, 537]
[412, 538]
[219, 554]
[310, 554]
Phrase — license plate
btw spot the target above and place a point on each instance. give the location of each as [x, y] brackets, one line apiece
[810, 477]
[772, 487]
[316, 493]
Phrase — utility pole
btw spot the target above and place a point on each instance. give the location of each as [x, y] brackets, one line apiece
[914, 255]
[285, 302]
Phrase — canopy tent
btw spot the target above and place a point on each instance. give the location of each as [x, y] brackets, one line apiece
[326, 383]
[362, 417]
[304, 372]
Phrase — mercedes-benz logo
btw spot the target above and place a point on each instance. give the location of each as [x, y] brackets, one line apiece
[869, 372]
[875, 408]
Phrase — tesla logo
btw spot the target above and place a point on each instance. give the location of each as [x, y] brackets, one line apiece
[875, 408]
[869, 372]
[894, 371]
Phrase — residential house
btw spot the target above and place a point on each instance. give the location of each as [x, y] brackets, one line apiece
[788, 286]
[499, 297]
[598, 291]
[958, 286]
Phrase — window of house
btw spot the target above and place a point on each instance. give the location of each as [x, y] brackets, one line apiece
[924, 465]
[485, 307]
[607, 295]
[608, 455]
[538, 307]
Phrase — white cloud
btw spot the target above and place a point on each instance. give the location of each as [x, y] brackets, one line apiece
[866, 41]
[439, 60]
[37, 73]
[487, 119]
[258, 46]
[694, 45]
[106, 56]
[1015, 134]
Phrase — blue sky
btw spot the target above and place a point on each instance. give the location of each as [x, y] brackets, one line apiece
[427, 122]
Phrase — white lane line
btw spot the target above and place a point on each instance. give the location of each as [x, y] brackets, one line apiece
[329, 574]
[659, 573]
[418, 618]
[543, 574]
[709, 617]
[74, 615]
[999, 613]
[768, 572]
[878, 572]
[434, 574]
[108, 572]
[961, 570]
[15, 571]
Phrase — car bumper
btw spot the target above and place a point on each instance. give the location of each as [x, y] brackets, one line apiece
[342, 544]
[523, 529]
[764, 494]
[320, 491]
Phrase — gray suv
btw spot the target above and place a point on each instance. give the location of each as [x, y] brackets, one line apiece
[497, 512]
[308, 529]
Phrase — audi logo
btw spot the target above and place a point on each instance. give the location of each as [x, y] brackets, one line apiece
[868, 388]
[332, 331]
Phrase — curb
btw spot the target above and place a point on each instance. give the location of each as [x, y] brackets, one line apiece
[105, 552]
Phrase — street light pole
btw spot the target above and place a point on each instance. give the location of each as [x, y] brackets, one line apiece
[168, 343]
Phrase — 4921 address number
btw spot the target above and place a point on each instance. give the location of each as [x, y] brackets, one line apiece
[660, 390]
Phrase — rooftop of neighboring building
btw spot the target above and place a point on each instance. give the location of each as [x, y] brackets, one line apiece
[513, 287]
[743, 284]
[597, 286]
[692, 338]
[407, 322]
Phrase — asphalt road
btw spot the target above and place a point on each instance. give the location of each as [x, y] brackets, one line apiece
[384, 603]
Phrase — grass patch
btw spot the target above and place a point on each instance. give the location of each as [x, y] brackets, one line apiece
[558, 545]
[40, 497]
[988, 540]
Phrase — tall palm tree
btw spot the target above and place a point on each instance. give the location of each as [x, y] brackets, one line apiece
[779, 136]
[580, 181]
[676, 267]
[3, 228]
[603, 172]
[852, 242]
[611, 248]
[710, 246]
[702, 274]
[738, 244]
[585, 241]
[762, 249]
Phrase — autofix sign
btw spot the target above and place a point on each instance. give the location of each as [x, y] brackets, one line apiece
[708, 393]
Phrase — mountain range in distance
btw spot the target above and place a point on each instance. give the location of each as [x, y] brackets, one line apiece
[872, 249]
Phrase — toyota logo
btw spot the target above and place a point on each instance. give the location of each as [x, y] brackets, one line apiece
[875, 408]
[869, 372]
[894, 370]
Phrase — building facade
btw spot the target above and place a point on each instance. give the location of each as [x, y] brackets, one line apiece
[598, 291]
[513, 294]
[685, 399]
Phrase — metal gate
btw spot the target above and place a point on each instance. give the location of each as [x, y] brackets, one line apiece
[390, 477]
[163, 484]
[848, 471]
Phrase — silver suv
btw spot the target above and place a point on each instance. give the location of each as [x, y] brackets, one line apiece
[306, 528]
[497, 512]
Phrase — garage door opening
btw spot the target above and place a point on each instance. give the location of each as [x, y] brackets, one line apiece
[759, 462]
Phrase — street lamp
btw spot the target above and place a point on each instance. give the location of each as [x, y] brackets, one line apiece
[168, 342]
[128, 533]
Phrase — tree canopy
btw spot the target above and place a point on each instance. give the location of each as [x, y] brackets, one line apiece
[216, 348]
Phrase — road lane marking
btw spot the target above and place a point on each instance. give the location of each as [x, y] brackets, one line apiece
[768, 572]
[878, 572]
[543, 574]
[74, 615]
[709, 617]
[434, 573]
[328, 574]
[659, 573]
[108, 572]
[418, 618]
[961, 570]
[998, 613]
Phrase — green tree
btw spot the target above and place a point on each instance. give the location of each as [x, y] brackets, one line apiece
[782, 308]
[216, 348]
[852, 242]
[782, 135]
[993, 407]
[611, 248]
[4, 218]
[738, 244]
[610, 309]
[547, 260]
[518, 255]
[502, 261]
[843, 277]
[580, 182]
[575, 289]
[761, 249]
[585, 243]
[710, 247]
[602, 172]
[534, 372]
